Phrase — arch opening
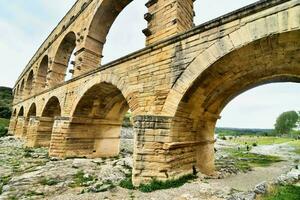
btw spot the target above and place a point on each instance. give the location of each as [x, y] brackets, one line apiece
[100, 113]
[122, 40]
[41, 80]
[22, 89]
[45, 123]
[255, 64]
[100, 26]
[62, 60]
[21, 112]
[14, 113]
[29, 83]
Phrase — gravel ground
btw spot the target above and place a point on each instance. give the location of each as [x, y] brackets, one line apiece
[30, 174]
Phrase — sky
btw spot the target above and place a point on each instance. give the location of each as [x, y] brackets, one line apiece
[24, 25]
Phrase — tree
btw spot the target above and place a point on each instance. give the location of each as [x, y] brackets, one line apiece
[5, 112]
[286, 122]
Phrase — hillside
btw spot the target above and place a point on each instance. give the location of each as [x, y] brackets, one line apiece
[5, 97]
[5, 102]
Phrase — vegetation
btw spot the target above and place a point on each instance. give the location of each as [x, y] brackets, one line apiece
[245, 161]
[81, 179]
[49, 181]
[3, 181]
[157, 185]
[286, 122]
[250, 140]
[5, 109]
[4, 123]
[127, 120]
[290, 192]
[5, 102]
[241, 132]
[296, 145]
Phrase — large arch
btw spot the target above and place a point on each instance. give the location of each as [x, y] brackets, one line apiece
[30, 113]
[267, 60]
[61, 59]
[41, 78]
[106, 13]
[95, 126]
[42, 134]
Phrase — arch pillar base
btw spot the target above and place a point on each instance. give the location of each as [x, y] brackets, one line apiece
[21, 122]
[160, 155]
[39, 131]
[12, 126]
[153, 158]
[85, 137]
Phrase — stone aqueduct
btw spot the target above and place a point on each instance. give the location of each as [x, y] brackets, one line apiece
[175, 87]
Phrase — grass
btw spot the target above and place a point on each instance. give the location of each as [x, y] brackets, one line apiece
[4, 123]
[296, 145]
[260, 140]
[156, 184]
[288, 192]
[49, 181]
[80, 179]
[34, 193]
[4, 181]
[245, 161]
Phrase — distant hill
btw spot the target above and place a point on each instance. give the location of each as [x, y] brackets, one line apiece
[243, 131]
[6, 99]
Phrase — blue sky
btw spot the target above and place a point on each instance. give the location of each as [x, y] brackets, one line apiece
[25, 24]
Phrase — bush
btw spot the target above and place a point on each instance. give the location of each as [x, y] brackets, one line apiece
[5, 112]
[159, 185]
[49, 181]
[3, 131]
[254, 144]
[127, 120]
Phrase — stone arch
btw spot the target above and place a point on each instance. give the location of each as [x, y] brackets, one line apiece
[22, 89]
[61, 59]
[21, 112]
[100, 112]
[14, 114]
[41, 136]
[126, 90]
[266, 60]
[52, 108]
[231, 42]
[29, 83]
[19, 127]
[41, 79]
[103, 18]
[32, 111]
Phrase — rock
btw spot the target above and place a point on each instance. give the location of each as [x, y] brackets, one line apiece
[261, 188]
[243, 196]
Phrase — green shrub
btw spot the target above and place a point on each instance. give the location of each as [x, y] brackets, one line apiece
[288, 192]
[127, 120]
[127, 183]
[254, 144]
[80, 179]
[49, 181]
[159, 185]
[3, 131]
